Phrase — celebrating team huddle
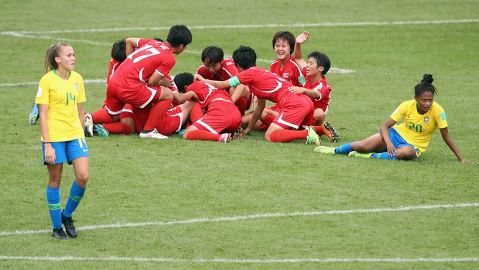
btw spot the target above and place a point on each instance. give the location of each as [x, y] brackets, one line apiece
[227, 98]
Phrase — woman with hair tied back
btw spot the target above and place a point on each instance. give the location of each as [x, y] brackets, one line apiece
[60, 97]
[418, 119]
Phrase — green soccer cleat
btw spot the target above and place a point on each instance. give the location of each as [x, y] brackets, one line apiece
[312, 136]
[360, 155]
[325, 150]
[101, 131]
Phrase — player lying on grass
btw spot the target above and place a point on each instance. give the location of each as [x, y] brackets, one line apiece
[216, 67]
[418, 119]
[316, 86]
[294, 109]
[222, 117]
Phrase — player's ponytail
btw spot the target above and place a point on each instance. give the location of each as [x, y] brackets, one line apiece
[425, 85]
[52, 52]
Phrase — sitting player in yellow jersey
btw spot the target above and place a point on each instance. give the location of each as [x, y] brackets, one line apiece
[418, 119]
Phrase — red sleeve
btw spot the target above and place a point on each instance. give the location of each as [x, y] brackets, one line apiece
[230, 67]
[245, 77]
[165, 68]
[324, 90]
[203, 71]
[142, 42]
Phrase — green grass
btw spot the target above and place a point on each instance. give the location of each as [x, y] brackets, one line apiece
[135, 180]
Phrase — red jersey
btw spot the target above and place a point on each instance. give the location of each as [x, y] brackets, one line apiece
[264, 84]
[324, 90]
[207, 93]
[150, 56]
[228, 70]
[111, 69]
[290, 71]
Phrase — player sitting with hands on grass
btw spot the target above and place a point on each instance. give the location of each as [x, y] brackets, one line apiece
[408, 139]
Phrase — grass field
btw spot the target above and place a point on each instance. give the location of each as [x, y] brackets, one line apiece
[250, 204]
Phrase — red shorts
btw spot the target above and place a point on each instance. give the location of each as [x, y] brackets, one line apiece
[171, 122]
[222, 115]
[139, 97]
[294, 111]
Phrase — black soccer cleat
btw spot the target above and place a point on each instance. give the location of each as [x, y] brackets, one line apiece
[59, 233]
[69, 226]
[330, 132]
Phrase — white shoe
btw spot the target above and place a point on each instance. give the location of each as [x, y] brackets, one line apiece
[154, 134]
[88, 123]
[225, 137]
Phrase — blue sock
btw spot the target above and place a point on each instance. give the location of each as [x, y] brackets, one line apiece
[53, 199]
[76, 193]
[383, 155]
[343, 149]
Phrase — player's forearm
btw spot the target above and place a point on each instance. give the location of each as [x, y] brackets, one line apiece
[312, 94]
[219, 84]
[257, 113]
[238, 92]
[297, 51]
[43, 112]
[81, 113]
[131, 44]
[450, 143]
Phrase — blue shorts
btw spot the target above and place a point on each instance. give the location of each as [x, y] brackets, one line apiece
[67, 151]
[399, 141]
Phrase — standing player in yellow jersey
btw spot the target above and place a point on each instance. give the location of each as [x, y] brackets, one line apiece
[418, 119]
[60, 98]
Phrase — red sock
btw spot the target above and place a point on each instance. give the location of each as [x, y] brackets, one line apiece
[319, 130]
[202, 135]
[268, 119]
[285, 135]
[101, 116]
[156, 112]
[118, 128]
[196, 113]
[241, 103]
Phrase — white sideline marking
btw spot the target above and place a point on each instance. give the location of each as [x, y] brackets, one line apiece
[249, 217]
[239, 261]
[247, 26]
[23, 35]
[94, 81]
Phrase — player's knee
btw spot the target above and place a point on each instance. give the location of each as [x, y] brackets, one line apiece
[319, 115]
[82, 178]
[406, 153]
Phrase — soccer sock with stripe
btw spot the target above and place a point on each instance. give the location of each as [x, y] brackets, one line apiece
[156, 113]
[53, 200]
[343, 149]
[383, 155]
[285, 135]
[319, 130]
[268, 119]
[202, 135]
[76, 193]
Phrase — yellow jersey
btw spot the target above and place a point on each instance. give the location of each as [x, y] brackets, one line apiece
[416, 128]
[62, 97]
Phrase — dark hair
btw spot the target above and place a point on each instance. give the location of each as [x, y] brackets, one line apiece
[286, 35]
[52, 52]
[182, 80]
[212, 55]
[178, 35]
[322, 60]
[425, 85]
[158, 39]
[244, 57]
[118, 50]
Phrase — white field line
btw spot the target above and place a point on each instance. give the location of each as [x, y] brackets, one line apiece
[4, 85]
[249, 26]
[23, 35]
[239, 261]
[251, 217]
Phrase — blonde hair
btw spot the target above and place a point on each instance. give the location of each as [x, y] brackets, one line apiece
[52, 52]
